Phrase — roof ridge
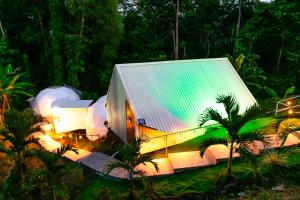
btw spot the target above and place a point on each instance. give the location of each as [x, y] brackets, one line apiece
[170, 61]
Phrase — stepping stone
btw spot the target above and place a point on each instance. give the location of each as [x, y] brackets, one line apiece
[98, 162]
[164, 165]
[291, 140]
[220, 152]
[189, 160]
[297, 134]
[74, 157]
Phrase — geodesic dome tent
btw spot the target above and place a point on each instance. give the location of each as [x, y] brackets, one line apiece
[95, 120]
[42, 103]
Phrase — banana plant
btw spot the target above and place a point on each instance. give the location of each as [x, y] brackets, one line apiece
[10, 85]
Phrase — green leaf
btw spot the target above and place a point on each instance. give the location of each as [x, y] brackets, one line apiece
[271, 92]
[289, 91]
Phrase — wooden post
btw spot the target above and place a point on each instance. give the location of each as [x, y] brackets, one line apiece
[167, 145]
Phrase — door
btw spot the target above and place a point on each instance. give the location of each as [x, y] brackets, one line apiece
[129, 123]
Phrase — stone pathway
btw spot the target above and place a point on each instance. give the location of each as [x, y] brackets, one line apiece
[94, 160]
[176, 162]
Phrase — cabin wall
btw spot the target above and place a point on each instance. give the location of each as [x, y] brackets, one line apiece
[69, 119]
[116, 108]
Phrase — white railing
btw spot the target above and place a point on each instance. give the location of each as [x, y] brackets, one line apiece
[165, 141]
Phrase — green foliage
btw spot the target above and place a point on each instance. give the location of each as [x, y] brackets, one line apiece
[234, 122]
[17, 130]
[130, 159]
[64, 41]
[275, 164]
[10, 79]
[49, 179]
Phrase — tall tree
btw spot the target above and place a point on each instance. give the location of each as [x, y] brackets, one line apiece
[176, 30]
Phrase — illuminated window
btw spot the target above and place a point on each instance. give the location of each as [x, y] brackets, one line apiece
[57, 118]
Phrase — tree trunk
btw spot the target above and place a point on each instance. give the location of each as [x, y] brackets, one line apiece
[280, 52]
[238, 25]
[208, 45]
[229, 170]
[131, 194]
[1, 29]
[19, 167]
[176, 31]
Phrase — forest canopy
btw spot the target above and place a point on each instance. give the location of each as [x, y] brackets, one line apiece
[77, 42]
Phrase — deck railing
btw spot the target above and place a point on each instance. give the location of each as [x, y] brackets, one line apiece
[169, 139]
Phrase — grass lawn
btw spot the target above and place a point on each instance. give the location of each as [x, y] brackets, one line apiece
[199, 180]
[194, 181]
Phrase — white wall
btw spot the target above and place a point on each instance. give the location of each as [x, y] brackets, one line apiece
[69, 119]
[116, 109]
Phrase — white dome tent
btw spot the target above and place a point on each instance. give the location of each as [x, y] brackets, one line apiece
[97, 115]
[42, 103]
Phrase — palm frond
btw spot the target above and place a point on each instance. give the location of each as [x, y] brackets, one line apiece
[277, 121]
[31, 140]
[22, 92]
[284, 133]
[116, 164]
[247, 141]
[210, 114]
[250, 113]
[250, 137]
[39, 173]
[204, 144]
[60, 191]
[230, 104]
[12, 82]
[146, 158]
[138, 172]
[64, 148]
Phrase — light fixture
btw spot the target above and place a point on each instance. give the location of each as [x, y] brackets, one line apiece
[290, 111]
[70, 135]
[289, 103]
[80, 137]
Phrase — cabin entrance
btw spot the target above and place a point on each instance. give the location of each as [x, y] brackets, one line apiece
[129, 123]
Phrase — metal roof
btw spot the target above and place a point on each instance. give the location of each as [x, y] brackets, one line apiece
[72, 103]
[171, 95]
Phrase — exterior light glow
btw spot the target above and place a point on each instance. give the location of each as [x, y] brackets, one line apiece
[70, 135]
[290, 112]
[80, 137]
[289, 103]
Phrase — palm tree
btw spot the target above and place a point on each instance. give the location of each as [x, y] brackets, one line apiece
[233, 124]
[17, 129]
[130, 159]
[283, 130]
[10, 86]
[54, 169]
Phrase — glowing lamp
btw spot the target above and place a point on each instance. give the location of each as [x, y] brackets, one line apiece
[80, 137]
[289, 103]
[70, 135]
[290, 112]
[46, 127]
